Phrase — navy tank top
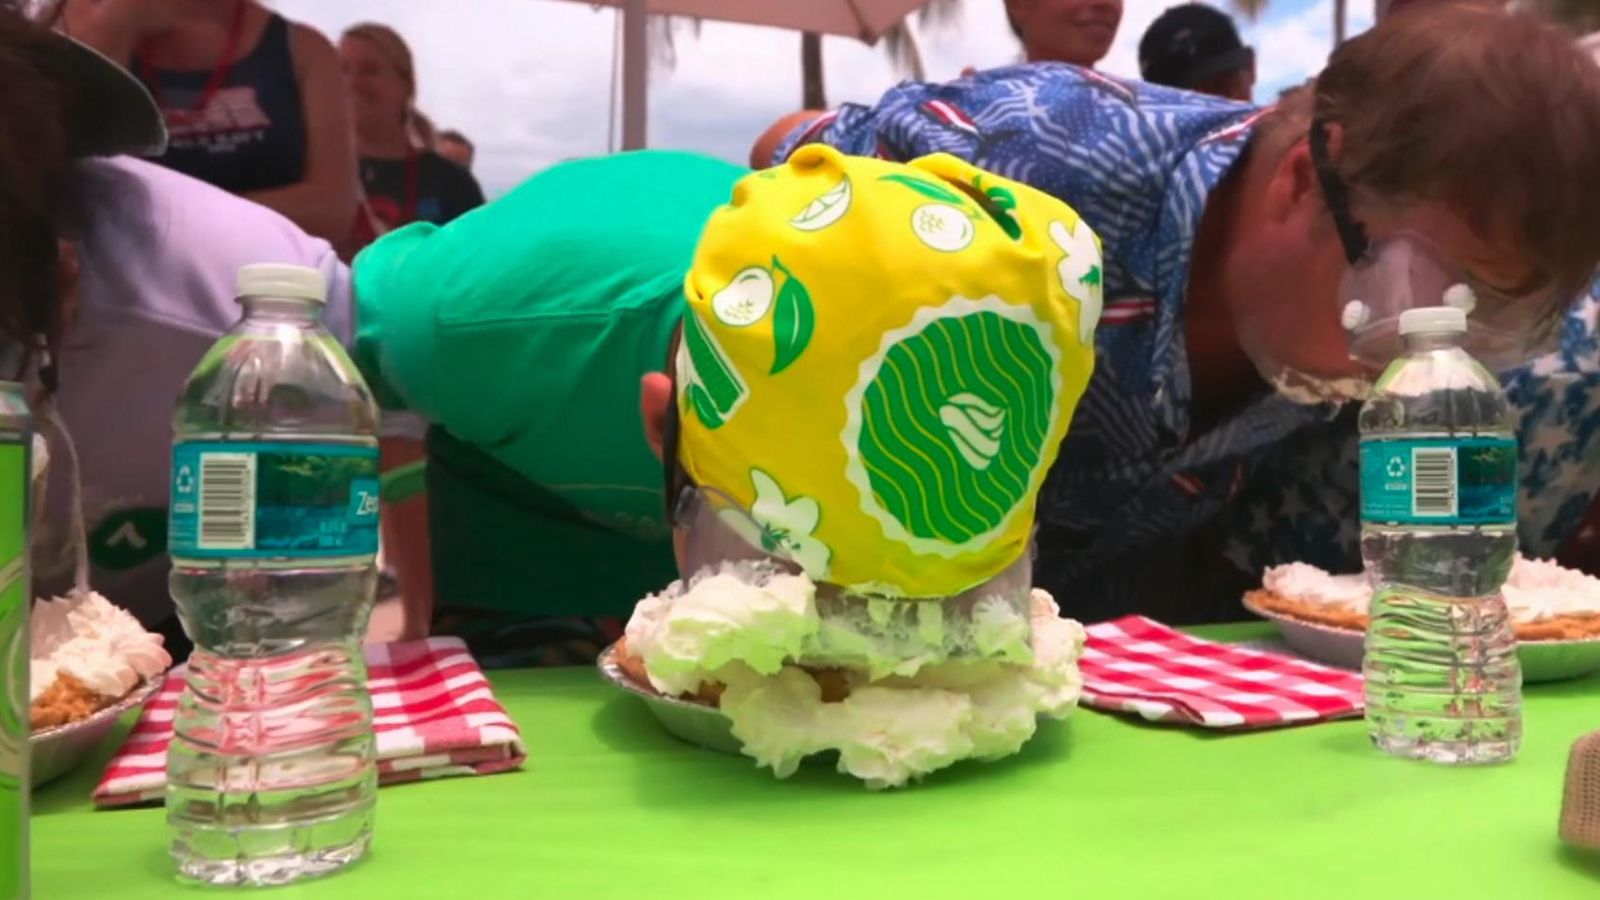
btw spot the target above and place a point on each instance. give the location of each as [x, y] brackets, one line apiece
[249, 134]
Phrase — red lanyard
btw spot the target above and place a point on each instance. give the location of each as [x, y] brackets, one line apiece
[219, 72]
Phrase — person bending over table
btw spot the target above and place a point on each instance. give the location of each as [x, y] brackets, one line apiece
[520, 333]
[122, 272]
[876, 365]
[1458, 144]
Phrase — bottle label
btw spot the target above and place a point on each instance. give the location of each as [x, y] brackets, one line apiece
[1439, 481]
[263, 499]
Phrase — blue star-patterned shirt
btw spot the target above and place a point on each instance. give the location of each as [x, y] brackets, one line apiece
[1121, 516]
[1304, 505]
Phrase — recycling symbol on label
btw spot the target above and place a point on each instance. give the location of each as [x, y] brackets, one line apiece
[183, 481]
[1397, 467]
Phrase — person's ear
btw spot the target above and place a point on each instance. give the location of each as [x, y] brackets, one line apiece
[1293, 184]
[655, 393]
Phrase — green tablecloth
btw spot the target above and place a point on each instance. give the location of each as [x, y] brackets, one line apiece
[1095, 807]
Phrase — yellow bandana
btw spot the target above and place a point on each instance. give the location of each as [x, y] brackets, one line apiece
[879, 361]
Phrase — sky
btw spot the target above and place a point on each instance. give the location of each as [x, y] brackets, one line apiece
[530, 81]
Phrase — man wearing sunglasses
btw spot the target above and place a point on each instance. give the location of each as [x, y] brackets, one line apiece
[1256, 265]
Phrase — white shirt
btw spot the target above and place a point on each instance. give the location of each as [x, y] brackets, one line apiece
[159, 253]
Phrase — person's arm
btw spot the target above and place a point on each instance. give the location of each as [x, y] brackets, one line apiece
[117, 27]
[1582, 550]
[909, 121]
[324, 201]
[406, 539]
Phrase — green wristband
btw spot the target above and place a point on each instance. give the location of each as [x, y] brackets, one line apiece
[404, 482]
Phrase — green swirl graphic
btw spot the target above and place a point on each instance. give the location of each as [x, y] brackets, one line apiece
[954, 422]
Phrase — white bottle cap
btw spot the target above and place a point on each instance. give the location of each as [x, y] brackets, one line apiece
[1434, 320]
[279, 280]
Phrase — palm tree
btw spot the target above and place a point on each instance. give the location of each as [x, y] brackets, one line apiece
[899, 42]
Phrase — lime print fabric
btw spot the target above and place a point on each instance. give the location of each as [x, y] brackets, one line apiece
[879, 361]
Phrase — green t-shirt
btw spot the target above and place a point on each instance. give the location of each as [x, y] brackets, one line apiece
[521, 331]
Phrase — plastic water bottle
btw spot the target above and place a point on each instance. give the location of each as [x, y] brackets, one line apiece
[273, 537]
[1438, 536]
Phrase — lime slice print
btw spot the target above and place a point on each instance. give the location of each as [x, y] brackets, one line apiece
[950, 421]
[825, 210]
[715, 390]
[942, 227]
[793, 322]
[746, 298]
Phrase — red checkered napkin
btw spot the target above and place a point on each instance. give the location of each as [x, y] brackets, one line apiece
[1137, 665]
[434, 715]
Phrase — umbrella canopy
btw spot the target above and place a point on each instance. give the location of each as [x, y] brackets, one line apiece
[866, 20]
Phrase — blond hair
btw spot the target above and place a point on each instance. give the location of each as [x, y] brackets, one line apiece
[394, 51]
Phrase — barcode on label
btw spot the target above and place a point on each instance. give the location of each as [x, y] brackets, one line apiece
[227, 501]
[1433, 481]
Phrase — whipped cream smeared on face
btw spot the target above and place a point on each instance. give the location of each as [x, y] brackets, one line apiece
[99, 644]
[1535, 590]
[891, 728]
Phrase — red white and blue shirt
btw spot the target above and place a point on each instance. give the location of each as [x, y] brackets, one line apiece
[1141, 514]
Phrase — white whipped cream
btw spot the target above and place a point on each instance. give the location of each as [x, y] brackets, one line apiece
[1535, 590]
[87, 637]
[1303, 581]
[893, 730]
[1538, 589]
[684, 634]
[752, 612]
[1308, 390]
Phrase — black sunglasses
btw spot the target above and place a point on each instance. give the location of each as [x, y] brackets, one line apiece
[674, 480]
[1336, 196]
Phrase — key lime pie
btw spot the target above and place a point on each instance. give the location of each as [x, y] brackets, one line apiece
[1548, 602]
[85, 654]
[750, 641]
